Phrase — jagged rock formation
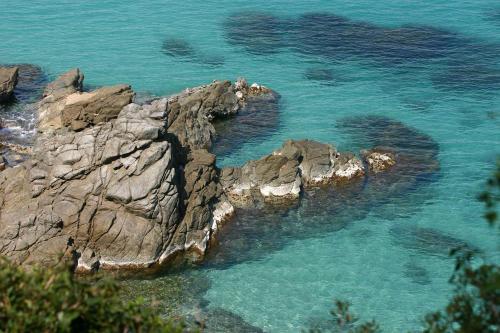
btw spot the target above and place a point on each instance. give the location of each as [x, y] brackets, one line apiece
[65, 105]
[115, 184]
[8, 81]
[282, 174]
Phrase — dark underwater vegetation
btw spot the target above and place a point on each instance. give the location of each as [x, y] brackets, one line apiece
[463, 63]
[182, 50]
[416, 273]
[320, 74]
[256, 121]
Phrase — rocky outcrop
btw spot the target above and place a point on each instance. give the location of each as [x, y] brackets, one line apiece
[379, 159]
[113, 184]
[273, 178]
[8, 81]
[191, 112]
[118, 185]
[107, 194]
[68, 83]
[65, 105]
[282, 174]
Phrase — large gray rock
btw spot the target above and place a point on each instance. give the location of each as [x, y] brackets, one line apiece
[282, 175]
[118, 192]
[192, 111]
[110, 190]
[8, 81]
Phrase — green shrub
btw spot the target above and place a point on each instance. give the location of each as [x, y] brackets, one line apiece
[54, 300]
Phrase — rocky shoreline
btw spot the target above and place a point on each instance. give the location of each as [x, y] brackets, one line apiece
[113, 184]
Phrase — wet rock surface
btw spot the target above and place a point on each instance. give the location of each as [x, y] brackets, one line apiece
[8, 81]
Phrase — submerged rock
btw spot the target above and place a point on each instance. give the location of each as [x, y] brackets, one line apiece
[427, 240]
[182, 50]
[177, 47]
[319, 74]
[416, 273]
[8, 81]
[463, 63]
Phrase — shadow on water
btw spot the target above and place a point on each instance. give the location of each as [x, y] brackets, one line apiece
[337, 38]
[255, 233]
[257, 120]
[182, 50]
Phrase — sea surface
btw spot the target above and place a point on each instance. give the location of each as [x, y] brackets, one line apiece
[423, 75]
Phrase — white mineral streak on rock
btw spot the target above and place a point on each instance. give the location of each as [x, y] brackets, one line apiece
[352, 169]
[222, 211]
[291, 189]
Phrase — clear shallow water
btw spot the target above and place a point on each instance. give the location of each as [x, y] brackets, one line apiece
[450, 92]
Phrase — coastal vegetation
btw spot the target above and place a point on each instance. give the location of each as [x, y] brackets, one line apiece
[55, 300]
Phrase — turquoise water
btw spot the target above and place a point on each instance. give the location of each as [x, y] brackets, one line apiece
[448, 89]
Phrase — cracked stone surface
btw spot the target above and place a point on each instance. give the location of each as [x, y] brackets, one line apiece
[119, 191]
